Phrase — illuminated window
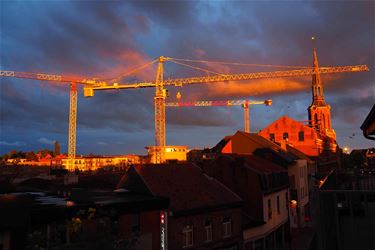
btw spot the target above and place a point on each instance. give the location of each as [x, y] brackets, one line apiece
[272, 137]
[285, 135]
[208, 229]
[301, 136]
[227, 227]
[269, 209]
[135, 222]
[187, 234]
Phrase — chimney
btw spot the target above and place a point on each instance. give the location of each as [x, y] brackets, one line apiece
[283, 144]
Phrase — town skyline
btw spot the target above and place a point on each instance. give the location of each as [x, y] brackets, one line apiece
[35, 114]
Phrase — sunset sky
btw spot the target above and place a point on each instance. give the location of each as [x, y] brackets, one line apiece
[104, 39]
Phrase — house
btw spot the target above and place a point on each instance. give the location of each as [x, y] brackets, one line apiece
[300, 168]
[264, 188]
[203, 213]
[47, 214]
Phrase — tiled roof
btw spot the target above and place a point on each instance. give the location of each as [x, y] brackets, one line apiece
[297, 153]
[259, 140]
[263, 146]
[261, 165]
[186, 186]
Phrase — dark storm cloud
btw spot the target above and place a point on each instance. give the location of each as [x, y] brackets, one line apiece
[106, 38]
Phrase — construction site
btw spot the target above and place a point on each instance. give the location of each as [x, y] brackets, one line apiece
[160, 84]
[148, 125]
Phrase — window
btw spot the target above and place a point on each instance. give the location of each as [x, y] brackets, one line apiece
[208, 229]
[227, 227]
[272, 137]
[285, 136]
[301, 136]
[269, 209]
[187, 234]
[278, 204]
[286, 199]
[135, 222]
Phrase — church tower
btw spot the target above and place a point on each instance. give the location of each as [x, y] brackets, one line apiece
[319, 111]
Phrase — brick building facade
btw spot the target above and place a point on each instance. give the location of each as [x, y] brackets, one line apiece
[203, 213]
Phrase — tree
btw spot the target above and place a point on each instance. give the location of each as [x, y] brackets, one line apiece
[357, 158]
[57, 148]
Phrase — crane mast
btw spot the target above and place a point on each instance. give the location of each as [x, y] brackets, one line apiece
[72, 102]
[159, 105]
[246, 117]
[72, 127]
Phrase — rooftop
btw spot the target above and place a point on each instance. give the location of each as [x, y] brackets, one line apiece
[181, 183]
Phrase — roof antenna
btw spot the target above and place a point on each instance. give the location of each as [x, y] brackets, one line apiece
[313, 41]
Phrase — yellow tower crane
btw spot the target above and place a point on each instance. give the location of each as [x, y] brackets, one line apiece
[160, 93]
[245, 104]
[73, 81]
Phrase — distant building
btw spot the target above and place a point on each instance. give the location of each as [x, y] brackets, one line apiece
[91, 163]
[82, 163]
[298, 165]
[203, 213]
[171, 153]
[318, 139]
[304, 138]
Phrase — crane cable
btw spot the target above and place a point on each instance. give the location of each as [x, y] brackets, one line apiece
[132, 71]
[194, 67]
[240, 64]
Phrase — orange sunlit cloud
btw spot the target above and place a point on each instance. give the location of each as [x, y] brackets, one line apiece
[255, 88]
[126, 62]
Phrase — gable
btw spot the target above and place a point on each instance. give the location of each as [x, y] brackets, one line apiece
[133, 181]
[286, 124]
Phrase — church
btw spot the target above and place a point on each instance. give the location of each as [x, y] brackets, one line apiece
[316, 139]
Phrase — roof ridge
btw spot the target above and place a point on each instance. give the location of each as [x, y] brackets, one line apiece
[143, 180]
[218, 182]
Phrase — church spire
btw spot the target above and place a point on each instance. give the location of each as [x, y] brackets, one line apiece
[317, 86]
[319, 112]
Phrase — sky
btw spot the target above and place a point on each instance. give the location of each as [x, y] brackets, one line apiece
[106, 39]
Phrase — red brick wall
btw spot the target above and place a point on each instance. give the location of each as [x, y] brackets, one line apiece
[242, 181]
[278, 128]
[149, 223]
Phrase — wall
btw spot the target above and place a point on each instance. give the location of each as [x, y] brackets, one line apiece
[277, 219]
[311, 145]
[299, 172]
[176, 225]
[149, 227]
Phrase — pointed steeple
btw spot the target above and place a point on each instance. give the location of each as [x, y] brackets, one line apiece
[317, 86]
[319, 112]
